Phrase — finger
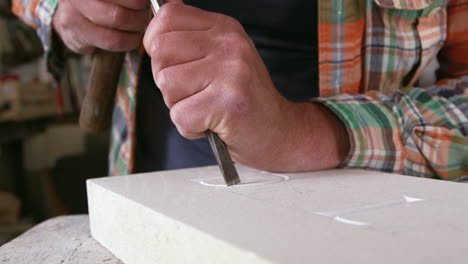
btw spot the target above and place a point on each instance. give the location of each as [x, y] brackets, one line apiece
[194, 115]
[179, 17]
[110, 15]
[64, 17]
[131, 4]
[175, 19]
[182, 81]
[108, 39]
[175, 48]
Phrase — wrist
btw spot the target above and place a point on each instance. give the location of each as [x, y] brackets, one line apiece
[319, 139]
[336, 139]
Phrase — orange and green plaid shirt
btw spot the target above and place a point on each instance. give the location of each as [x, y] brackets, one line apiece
[371, 56]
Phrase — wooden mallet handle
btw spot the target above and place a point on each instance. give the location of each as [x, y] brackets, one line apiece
[98, 104]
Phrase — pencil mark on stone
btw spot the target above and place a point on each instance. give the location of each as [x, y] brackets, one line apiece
[261, 178]
[349, 222]
[337, 215]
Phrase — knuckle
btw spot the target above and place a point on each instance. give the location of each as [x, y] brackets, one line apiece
[147, 42]
[78, 46]
[236, 103]
[234, 43]
[177, 117]
[114, 41]
[60, 24]
[239, 68]
[69, 32]
[62, 20]
[230, 22]
[233, 38]
[117, 16]
[157, 45]
[163, 79]
[166, 13]
[157, 52]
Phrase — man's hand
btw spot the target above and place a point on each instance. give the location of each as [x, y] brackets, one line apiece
[115, 25]
[212, 78]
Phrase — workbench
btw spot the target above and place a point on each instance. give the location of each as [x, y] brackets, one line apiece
[60, 240]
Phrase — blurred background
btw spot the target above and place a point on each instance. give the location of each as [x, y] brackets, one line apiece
[45, 158]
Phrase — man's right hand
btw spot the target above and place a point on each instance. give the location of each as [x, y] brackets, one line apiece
[115, 25]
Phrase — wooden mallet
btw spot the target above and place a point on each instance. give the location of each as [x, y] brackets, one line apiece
[98, 104]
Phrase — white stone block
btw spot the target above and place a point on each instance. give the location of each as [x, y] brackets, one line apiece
[336, 216]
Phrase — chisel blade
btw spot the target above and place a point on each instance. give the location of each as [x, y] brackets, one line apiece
[223, 158]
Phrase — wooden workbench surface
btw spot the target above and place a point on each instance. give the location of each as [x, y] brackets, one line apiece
[61, 240]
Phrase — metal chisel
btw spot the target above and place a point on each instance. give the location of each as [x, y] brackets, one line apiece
[225, 163]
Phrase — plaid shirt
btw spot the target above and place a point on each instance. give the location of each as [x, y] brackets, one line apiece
[372, 53]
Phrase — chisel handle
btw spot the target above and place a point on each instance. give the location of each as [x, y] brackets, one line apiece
[98, 104]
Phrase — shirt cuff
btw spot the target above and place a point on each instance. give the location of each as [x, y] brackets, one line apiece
[375, 140]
